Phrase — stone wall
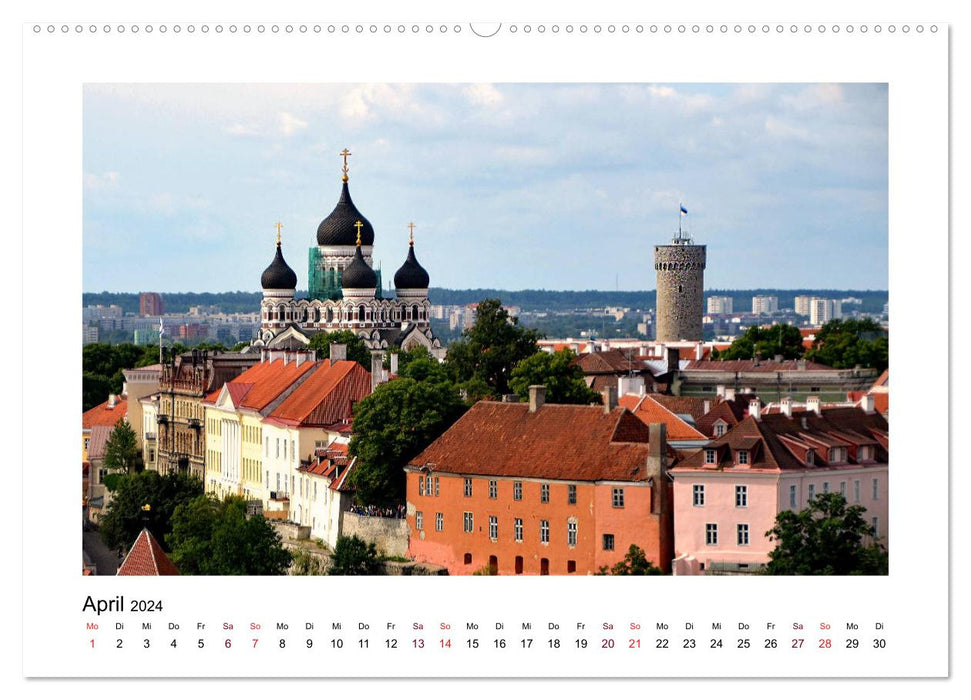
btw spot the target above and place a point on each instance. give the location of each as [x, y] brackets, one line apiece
[390, 535]
[680, 291]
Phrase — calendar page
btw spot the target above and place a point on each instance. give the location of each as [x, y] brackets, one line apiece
[431, 344]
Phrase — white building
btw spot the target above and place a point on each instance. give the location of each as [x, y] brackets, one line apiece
[720, 305]
[765, 304]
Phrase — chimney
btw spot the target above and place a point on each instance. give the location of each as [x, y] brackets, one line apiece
[867, 404]
[812, 403]
[610, 398]
[112, 400]
[674, 359]
[338, 351]
[377, 368]
[394, 363]
[657, 471]
[801, 365]
[730, 393]
[778, 358]
[786, 404]
[707, 406]
[755, 409]
[537, 397]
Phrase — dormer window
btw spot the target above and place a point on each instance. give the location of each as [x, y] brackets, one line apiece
[837, 454]
[865, 453]
[810, 458]
[743, 456]
[719, 429]
[711, 456]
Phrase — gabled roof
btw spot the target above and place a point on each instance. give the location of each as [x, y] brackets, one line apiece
[103, 414]
[782, 441]
[558, 441]
[649, 410]
[146, 558]
[729, 412]
[326, 396]
[261, 384]
[751, 366]
[685, 405]
[99, 437]
[610, 362]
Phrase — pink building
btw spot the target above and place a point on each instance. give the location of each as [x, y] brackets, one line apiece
[726, 495]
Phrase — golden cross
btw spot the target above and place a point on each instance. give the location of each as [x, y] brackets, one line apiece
[358, 226]
[411, 233]
[345, 153]
[279, 226]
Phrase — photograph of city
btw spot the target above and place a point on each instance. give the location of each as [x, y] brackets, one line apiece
[485, 329]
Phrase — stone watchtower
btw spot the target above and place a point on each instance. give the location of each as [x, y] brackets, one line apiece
[680, 271]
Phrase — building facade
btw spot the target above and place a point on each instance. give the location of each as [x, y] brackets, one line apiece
[680, 270]
[720, 305]
[150, 304]
[762, 304]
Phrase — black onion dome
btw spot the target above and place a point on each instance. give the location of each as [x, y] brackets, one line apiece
[338, 228]
[279, 275]
[411, 275]
[358, 274]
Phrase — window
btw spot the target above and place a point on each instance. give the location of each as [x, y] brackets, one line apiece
[698, 491]
[439, 522]
[812, 491]
[467, 522]
[711, 533]
[571, 566]
[518, 529]
[793, 496]
[743, 534]
[837, 454]
[876, 489]
[468, 488]
[284, 449]
[876, 530]
[719, 429]
[810, 457]
[843, 489]
[571, 533]
[436, 485]
[517, 490]
[608, 543]
[419, 520]
[421, 486]
[711, 456]
[544, 531]
[856, 491]
[467, 559]
[493, 489]
[743, 456]
[825, 487]
[278, 447]
[741, 496]
[544, 493]
[571, 494]
[618, 498]
[865, 454]
[493, 527]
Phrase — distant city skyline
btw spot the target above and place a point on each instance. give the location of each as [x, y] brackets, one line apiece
[510, 186]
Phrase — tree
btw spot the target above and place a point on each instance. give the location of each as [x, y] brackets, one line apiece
[391, 426]
[491, 347]
[846, 344]
[215, 538]
[558, 372]
[354, 557]
[124, 517]
[825, 538]
[121, 449]
[778, 339]
[634, 563]
[356, 349]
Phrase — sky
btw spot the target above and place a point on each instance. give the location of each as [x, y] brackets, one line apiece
[510, 186]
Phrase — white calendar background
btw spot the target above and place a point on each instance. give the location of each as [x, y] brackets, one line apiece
[909, 609]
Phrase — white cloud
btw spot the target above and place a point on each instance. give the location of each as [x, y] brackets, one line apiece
[483, 94]
[289, 124]
[101, 183]
[776, 127]
[242, 130]
[662, 91]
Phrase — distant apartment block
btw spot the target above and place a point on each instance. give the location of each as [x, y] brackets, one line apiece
[823, 310]
[101, 313]
[765, 304]
[150, 304]
[89, 334]
[802, 304]
[720, 305]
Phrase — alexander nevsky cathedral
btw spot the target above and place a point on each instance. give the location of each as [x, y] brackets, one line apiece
[344, 289]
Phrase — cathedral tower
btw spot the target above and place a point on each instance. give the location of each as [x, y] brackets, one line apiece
[680, 269]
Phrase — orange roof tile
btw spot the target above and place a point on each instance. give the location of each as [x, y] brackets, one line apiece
[649, 410]
[326, 396]
[146, 558]
[102, 414]
[558, 441]
[264, 382]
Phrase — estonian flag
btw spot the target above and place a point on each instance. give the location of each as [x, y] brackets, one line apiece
[683, 210]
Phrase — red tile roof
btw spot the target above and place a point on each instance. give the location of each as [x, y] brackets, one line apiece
[146, 558]
[779, 442]
[610, 362]
[558, 441]
[326, 397]
[689, 405]
[750, 366]
[263, 383]
[649, 410]
[730, 412]
[102, 414]
[99, 437]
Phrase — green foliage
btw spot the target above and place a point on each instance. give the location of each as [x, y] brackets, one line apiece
[779, 339]
[124, 518]
[306, 564]
[102, 365]
[491, 348]
[356, 349]
[240, 346]
[121, 449]
[558, 372]
[419, 365]
[113, 481]
[634, 563]
[826, 538]
[215, 538]
[846, 344]
[391, 426]
[354, 557]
